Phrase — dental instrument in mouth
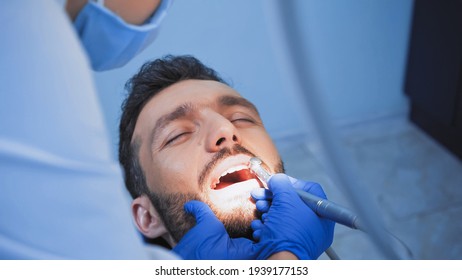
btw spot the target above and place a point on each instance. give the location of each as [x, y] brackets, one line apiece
[322, 207]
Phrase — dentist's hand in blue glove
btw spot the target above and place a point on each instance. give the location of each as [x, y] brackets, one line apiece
[288, 224]
[209, 240]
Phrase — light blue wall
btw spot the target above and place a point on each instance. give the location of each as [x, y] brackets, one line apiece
[358, 52]
[357, 49]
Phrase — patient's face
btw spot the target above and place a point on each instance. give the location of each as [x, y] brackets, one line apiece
[197, 137]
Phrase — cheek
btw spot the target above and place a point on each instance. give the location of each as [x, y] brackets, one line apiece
[177, 170]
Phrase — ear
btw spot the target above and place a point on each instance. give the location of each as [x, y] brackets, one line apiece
[147, 219]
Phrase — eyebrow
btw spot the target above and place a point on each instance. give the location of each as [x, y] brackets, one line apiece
[188, 108]
[229, 101]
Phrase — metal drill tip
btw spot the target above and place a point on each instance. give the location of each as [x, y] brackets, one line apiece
[255, 165]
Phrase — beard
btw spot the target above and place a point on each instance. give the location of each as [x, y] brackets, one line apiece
[236, 220]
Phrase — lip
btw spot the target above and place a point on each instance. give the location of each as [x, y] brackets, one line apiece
[236, 162]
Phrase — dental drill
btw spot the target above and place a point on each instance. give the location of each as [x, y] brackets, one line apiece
[330, 210]
[322, 207]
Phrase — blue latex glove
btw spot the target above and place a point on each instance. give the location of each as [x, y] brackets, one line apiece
[209, 240]
[288, 224]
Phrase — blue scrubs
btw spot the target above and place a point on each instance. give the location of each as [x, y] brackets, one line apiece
[61, 191]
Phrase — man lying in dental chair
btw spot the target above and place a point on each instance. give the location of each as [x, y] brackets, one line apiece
[186, 138]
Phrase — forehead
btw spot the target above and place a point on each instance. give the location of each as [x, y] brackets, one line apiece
[192, 87]
[196, 92]
[204, 92]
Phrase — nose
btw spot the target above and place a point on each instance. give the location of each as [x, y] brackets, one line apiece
[221, 133]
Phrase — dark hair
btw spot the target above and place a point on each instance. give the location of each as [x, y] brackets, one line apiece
[153, 77]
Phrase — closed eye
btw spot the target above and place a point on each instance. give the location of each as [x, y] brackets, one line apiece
[175, 138]
[243, 120]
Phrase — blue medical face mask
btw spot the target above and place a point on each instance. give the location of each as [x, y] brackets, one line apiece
[110, 42]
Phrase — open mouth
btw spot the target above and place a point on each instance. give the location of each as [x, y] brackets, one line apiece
[231, 185]
[232, 176]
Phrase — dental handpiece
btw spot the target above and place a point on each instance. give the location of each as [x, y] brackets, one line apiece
[322, 207]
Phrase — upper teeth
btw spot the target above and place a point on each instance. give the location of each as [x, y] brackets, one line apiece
[233, 169]
[229, 171]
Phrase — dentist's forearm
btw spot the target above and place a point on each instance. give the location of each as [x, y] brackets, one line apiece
[284, 255]
[132, 11]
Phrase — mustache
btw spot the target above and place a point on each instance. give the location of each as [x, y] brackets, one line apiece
[219, 156]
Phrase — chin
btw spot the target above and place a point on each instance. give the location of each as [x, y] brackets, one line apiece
[237, 222]
[235, 208]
